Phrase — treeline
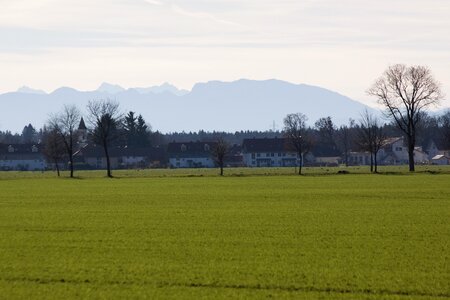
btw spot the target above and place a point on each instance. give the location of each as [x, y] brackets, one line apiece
[135, 131]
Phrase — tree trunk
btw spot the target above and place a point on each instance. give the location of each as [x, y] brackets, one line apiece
[57, 167]
[108, 163]
[375, 162]
[71, 165]
[221, 170]
[411, 158]
[300, 163]
[371, 162]
[346, 158]
[411, 144]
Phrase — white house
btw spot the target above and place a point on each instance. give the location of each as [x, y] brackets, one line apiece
[93, 157]
[191, 155]
[441, 160]
[393, 152]
[359, 158]
[268, 152]
[21, 157]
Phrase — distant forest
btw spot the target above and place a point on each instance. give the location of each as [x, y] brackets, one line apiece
[324, 132]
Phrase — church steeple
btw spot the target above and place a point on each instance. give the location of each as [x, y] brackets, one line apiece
[82, 133]
[82, 126]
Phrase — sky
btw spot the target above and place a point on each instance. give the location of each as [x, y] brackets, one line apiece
[340, 45]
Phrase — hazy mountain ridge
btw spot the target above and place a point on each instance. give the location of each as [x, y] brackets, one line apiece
[27, 90]
[214, 105]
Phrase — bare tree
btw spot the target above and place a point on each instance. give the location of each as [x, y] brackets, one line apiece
[104, 117]
[65, 124]
[219, 152]
[371, 138]
[296, 132]
[407, 92]
[54, 148]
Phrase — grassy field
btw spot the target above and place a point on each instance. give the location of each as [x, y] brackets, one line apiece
[256, 234]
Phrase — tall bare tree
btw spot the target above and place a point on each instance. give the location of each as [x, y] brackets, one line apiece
[371, 138]
[104, 116]
[54, 148]
[296, 133]
[65, 124]
[219, 152]
[406, 92]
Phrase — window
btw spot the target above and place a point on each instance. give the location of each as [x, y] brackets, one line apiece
[206, 147]
[253, 155]
[258, 155]
[272, 154]
[279, 154]
[183, 148]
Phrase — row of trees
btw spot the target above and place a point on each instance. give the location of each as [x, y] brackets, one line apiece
[108, 126]
[62, 131]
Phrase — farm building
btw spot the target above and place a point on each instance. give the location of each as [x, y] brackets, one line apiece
[93, 157]
[200, 155]
[22, 157]
[191, 155]
[268, 152]
[441, 160]
[393, 152]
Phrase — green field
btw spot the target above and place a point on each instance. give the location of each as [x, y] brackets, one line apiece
[257, 234]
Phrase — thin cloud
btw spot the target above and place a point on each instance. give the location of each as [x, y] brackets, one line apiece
[201, 15]
[154, 2]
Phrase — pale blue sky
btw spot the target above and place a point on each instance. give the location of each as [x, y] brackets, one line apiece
[341, 45]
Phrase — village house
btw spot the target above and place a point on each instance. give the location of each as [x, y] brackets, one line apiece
[324, 156]
[393, 152]
[22, 157]
[234, 158]
[361, 158]
[93, 157]
[268, 152]
[441, 160]
[191, 155]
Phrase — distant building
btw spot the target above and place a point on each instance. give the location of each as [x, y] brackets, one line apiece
[441, 160]
[268, 152]
[234, 157]
[93, 157]
[191, 155]
[22, 157]
[361, 158]
[393, 152]
[323, 155]
[82, 133]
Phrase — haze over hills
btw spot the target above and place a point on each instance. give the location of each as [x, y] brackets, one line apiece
[215, 105]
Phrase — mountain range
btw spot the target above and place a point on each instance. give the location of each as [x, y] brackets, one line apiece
[214, 105]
